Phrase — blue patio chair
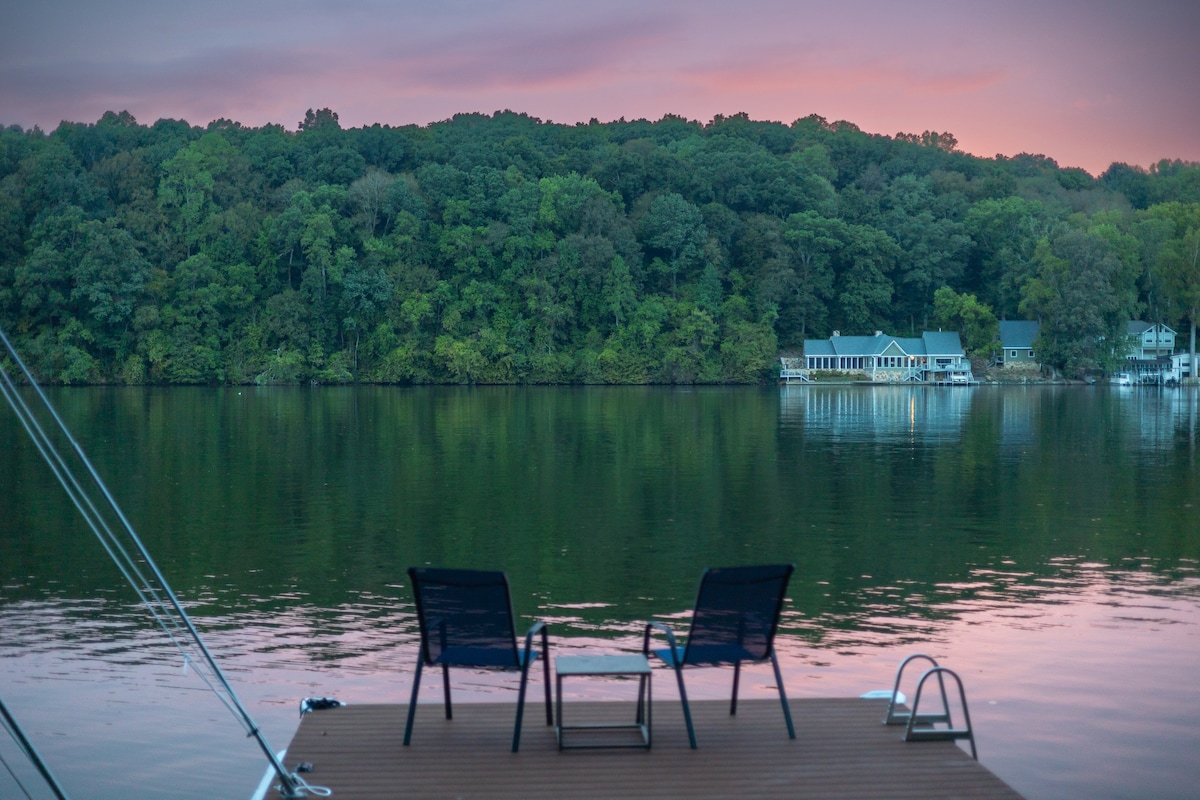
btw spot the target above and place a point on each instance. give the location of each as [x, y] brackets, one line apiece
[735, 620]
[466, 620]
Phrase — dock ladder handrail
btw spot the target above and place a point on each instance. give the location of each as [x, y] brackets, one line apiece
[927, 722]
[949, 733]
[897, 717]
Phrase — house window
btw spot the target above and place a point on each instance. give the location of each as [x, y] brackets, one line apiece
[1012, 353]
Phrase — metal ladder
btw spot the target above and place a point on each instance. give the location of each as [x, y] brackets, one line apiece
[924, 727]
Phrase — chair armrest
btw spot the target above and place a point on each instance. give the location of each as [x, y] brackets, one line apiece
[661, 627]
[538, 627]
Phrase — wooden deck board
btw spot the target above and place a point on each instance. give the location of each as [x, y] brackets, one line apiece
[841, 750]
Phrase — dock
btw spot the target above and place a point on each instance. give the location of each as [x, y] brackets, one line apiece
[842, 749]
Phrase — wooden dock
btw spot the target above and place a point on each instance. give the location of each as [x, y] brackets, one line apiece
[841, 750]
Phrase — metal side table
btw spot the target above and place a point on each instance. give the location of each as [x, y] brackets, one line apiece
[633, 666]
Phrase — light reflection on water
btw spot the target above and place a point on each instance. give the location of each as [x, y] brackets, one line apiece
[1042, 543]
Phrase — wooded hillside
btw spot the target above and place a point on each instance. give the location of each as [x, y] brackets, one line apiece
[504, 249]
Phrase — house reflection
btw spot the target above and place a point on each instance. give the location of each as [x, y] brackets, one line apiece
[877, 412]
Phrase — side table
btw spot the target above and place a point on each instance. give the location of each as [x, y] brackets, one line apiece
[634, 666]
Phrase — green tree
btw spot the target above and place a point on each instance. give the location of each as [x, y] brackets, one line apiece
[186, 191]
[675, 229]
[371, 193]
[86, 276]
[805, 280]
[934, 247]
[964, 313]
[1082, 316]
[863, 290]
[1004, 234]
[631, 251]
[1177, 266]
[619, 295]
[366, 293]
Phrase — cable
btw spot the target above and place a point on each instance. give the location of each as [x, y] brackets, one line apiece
[16, 780]
[118, 539]
[31, 753]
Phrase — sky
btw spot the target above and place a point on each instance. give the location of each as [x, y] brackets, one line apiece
[1085, 82]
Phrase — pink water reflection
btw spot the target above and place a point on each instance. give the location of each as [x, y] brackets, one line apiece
[1081, 685]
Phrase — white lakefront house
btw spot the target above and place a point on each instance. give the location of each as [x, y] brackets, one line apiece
[936, 357]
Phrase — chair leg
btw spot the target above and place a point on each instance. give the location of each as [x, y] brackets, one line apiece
[412, 703]
[787, 713]
[687, 711]
[546, 659]
[446, 690]
[737, 673]
[516, 745]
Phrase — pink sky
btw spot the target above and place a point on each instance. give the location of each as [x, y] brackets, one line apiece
[1086, 83]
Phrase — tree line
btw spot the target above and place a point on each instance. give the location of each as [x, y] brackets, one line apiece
[505, 249]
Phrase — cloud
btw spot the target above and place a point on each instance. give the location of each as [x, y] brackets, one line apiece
[826, 71]
[1094, 103]
[482, 51]
[1095, 76]
[533, 59]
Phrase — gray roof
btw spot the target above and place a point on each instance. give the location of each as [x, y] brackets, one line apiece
[936, 343]
[1136, 327]
[940, 343]
[1018, 333]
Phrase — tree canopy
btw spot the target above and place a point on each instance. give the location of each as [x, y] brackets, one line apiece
[504, 249]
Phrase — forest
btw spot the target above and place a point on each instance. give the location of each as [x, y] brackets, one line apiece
[504, 249]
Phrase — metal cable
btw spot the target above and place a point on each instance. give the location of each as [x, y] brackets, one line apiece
[26, 746]
[118, 539]
[16, 780]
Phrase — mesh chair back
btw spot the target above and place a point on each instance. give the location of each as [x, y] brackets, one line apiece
[465, 617]
[737, 614]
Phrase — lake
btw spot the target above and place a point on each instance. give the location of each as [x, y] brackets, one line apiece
[1043, 542]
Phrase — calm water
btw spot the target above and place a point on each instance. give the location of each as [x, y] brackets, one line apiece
[1043, 542]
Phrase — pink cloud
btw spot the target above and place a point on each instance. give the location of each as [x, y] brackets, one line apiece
[803, 74]
[1084, 82]
[1090, 103]
[552, 58]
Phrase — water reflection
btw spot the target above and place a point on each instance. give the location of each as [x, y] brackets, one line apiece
[882, 413]
[368, 633]
[1008, 530]
[1154, 418]
[1081, 683]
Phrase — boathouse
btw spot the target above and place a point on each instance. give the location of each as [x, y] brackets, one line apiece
[1016, 344]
